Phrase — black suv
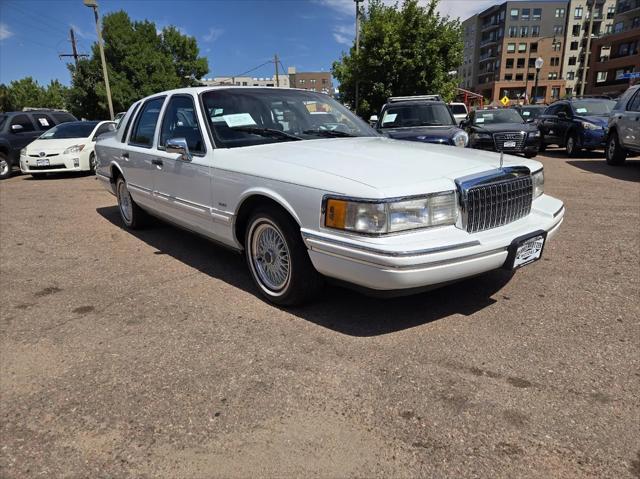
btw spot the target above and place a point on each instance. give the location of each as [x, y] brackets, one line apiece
[575, 124]
[19, 128]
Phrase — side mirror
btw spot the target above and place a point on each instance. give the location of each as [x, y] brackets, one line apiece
[17, 128]
[373, 119]
[562, 114]
[179, 145]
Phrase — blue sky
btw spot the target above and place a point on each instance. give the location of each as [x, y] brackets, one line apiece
[235, 35]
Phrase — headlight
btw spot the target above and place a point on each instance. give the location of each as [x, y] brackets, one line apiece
[380, 217]
[538, 183]
[590, 126]
[73, 149]
[461, 139]
[534, 134]
[23, 152]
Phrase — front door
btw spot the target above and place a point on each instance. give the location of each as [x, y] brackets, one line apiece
[23, 134]
[183, 186]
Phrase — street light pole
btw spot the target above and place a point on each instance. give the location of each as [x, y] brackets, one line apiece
[94, 5]
[539, 63]
[357, 2]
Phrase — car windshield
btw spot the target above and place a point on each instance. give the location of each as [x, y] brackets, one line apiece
[458, 109]
[530, 112]
[425, 114]
[492, 117]
[76, 129]
[255, 116]
[593, 108]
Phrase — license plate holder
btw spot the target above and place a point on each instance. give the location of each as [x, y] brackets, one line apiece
[525, 250]
[509, 144]
[42, 162]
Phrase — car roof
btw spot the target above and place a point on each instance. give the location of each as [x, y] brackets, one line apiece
[83, 122]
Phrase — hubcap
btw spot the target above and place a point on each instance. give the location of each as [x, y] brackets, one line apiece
[4, 167]
[570, 144]
[612, 148]
[124, 201]
[270, 256]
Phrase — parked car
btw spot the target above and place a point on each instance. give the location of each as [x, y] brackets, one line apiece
[459, 111]
[119, 117]
[424, 118]
[502, 130]
[19, 128]
[530, 113]
[251, 169]
[64, 148]
[575, 124]
[623, 135]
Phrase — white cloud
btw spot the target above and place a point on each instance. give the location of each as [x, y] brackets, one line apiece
[5, 32]
[344, 34]
[462, 9]
[343, 7]
[213, 35]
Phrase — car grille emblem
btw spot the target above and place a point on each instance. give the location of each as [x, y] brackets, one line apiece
[42, 153]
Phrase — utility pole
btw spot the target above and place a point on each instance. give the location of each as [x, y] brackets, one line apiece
[94, 5]
[275, 60]
[585, 62]
[74, 48]
[357, 49]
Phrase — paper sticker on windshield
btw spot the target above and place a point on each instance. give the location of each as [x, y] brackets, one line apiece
[389, 117]
[526, 113]
[239, 119]
[581, 110]
[43, 121]
[479, 120]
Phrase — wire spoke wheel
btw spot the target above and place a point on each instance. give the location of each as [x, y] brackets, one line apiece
[4, 167]
[270, 256]
[124, 202]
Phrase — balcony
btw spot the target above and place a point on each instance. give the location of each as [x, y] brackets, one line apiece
[487, 56]
[488, 41]
[490, 25]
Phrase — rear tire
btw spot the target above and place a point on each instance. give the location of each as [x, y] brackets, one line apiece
[571, 145]
[131, 214]
[278, 259]
[615, 154]
[5, 166]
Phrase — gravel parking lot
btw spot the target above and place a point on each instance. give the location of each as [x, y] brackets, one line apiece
[149, 354]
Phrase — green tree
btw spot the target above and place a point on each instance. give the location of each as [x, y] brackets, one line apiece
[27, 92]
[404, 50]
[140, 61]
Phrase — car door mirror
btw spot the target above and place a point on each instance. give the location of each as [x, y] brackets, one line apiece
[562, 114]
[17, 128]
[179, 146]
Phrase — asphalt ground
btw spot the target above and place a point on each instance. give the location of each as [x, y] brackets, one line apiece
[150, 354]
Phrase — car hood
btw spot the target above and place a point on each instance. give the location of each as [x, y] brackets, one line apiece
[54, 145]
[436, 134]
[596, 120]
[500, 127]
[377, 164]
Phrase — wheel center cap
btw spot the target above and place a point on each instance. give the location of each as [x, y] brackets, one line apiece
[268, 257]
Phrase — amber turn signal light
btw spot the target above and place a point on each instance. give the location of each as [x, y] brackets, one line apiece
[335, 214]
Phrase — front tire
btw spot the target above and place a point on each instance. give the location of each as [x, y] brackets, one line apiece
[92, 164]
[571, 145]
[615, 154]
[278, 260]
[132, 215]
[5, 166]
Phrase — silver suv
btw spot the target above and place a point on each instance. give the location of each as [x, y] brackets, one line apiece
[624, 127]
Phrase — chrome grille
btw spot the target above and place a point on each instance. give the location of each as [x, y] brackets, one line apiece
[497, 204]
[500, 138]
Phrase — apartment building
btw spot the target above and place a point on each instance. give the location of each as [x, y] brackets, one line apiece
[282, 81]
[314, 81]
[508, 39]
[469, 69]
[614, 57]
[579, 22]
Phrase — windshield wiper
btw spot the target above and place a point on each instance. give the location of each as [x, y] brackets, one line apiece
[328, 133]
[268, 132]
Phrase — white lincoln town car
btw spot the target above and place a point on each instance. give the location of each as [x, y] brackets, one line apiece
[309, 191]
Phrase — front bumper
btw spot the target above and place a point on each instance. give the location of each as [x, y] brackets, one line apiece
[425, 258]
[593, 139]
[531, 145]
[57, 164]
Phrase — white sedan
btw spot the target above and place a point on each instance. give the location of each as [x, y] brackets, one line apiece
[257, 170]
[67, 147]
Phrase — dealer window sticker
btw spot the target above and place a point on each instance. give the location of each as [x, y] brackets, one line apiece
[581, 110]
[389, 117]
[239, 119]
[43, 121]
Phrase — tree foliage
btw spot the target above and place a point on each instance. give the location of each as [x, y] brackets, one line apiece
[27, 92]
[404, 50]
[140, 61]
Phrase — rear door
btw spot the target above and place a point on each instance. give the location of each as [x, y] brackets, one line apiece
[183, 187]
[137, 157]
[547, 124]
[43, 121]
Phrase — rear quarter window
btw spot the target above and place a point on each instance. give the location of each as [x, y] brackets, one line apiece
[62, 117]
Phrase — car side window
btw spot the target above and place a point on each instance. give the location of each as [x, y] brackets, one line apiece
[44, 122]
[634, 104]
[552, 110]
[23, 121]
[145, 126]
[128, 124]
[180, 121]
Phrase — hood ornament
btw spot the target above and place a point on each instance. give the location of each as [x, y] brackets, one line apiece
[501, 158]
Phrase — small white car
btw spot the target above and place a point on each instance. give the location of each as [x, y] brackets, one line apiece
[66, 147]
[254, 169]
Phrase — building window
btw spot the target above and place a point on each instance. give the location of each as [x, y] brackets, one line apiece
[511, 47]
[608, 28]
[509, 63]
[572, 61]
[557, 29]
[535, 31]
[524, 31]
[611, 11]
[524, 15]
[312, 81]
[575, 30]
[301, 82]
[520, 63]
[556, 46]
[532, 62]
[519, 77]
[601, 77]
[618, 27]
[533, 47]
[537, 13]
[530, 76]
[513, 31]
[508, 77]
[522, 47]
[574, 46]
[571, 75]
[555, 92]
[514, 14]
[559, 12]
[553, 75]
[555, 61]
[244, 83]
[577, 13]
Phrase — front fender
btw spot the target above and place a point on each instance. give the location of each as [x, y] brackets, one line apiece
[272, 195]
